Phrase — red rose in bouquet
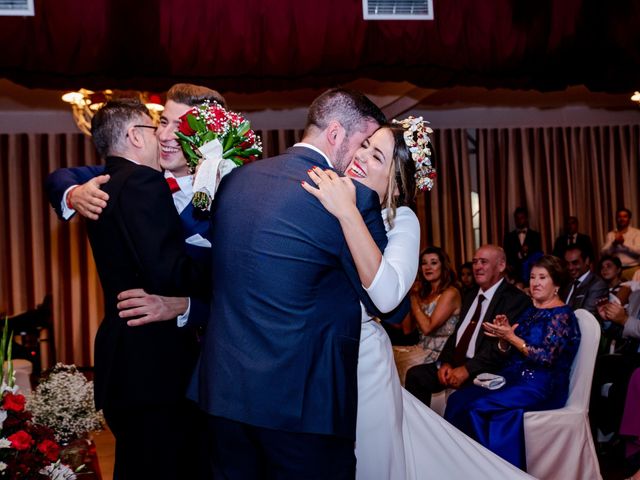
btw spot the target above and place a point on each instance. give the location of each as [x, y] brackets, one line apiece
[226, 140]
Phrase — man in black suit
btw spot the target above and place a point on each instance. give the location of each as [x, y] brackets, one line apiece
[587, 287]
[521, 244]
[141, 373]
[572, 237]
[468, 351]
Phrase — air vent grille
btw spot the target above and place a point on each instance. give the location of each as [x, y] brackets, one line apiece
[16, 8]
[398, 9]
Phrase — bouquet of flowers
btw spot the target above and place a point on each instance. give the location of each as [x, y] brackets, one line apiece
[27, 450]
[63, 401]
[216, 141]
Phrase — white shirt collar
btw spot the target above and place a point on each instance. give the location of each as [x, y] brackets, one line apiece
[315, 149]
[584, 276]
[488, 294]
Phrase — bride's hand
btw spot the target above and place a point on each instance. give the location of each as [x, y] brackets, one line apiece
[337, 194]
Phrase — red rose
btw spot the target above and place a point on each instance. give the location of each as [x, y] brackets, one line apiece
[14, 402]
[50, 449]
[184, 126]
[216, 118]
[20, 440]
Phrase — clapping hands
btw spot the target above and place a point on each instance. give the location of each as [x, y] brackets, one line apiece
[499, 328]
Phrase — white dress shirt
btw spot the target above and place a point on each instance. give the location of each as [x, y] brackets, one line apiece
[488, 296]
[629, 251]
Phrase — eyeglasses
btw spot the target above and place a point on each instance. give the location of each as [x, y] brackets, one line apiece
[153, 127]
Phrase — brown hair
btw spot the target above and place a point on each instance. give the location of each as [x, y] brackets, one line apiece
[194, 95]
[402, 175]
[557, 269]
[447, 274]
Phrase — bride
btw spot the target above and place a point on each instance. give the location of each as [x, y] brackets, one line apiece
[397, 437]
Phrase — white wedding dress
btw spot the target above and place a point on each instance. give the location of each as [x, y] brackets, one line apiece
[397, 436]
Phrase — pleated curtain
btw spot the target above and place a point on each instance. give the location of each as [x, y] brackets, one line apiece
[554, 172]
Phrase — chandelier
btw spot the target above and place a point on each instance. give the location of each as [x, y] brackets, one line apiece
[636, 97]
[85, 103]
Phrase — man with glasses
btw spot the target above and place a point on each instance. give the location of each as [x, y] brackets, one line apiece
[80, 190]
[141, 373]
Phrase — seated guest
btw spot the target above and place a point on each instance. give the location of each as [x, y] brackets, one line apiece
[630, 425]
[586, 287]
[610, 270]
[465, 277]
[624, 243]
[544, 341]
[571, 237]
[435, 309]
[467, 352]
[520, 244]
[613, 371]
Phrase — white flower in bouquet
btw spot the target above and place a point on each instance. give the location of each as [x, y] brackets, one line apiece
[63, 401]
[216, 141]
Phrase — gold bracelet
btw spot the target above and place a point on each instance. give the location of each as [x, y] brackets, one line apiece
[524, 348]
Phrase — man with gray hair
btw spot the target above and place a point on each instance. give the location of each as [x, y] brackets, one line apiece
[468, 351]
[141, 373]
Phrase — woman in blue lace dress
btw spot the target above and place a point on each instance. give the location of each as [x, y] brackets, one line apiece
[542, 344]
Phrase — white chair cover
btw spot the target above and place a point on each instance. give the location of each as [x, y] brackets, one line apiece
[558, 442]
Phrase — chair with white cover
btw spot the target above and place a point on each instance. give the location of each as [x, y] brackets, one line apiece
[558, 442]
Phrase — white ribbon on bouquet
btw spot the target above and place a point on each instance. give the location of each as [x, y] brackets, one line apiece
[211, 169]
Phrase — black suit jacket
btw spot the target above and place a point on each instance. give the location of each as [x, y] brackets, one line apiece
[507, 300]
[511, 245]
[138, 243]
[583, 241]
[587, 294]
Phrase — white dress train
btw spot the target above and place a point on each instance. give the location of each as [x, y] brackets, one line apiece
[397, 436]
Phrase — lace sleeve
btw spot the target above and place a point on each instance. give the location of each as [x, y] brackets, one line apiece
[559, 332]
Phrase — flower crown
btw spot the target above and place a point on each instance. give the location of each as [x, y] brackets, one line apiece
[416, 136]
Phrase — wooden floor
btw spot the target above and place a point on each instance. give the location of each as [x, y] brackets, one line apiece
[106, 449]
[612, 467]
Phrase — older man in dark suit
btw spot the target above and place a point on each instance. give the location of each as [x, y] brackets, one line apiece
[141, 373]
[468, 351]
[78, 189]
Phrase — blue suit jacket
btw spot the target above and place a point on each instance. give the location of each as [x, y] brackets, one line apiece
[193, 222]
[281, 347]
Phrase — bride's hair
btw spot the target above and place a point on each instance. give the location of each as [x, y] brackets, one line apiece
[402, 175]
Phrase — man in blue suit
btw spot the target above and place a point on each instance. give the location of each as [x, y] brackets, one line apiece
[79, 189]
[277, 372]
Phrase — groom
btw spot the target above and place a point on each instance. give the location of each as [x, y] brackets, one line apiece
[277, 372]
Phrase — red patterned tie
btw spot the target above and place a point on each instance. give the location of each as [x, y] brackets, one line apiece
[460, 353]
[173, 184]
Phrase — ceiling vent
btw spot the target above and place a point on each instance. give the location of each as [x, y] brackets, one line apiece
[397, 9]
[16, 8]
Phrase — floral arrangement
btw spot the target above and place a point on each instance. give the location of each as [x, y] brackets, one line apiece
[63, 401]
[216, 141]
[27, 450]
[416, 136]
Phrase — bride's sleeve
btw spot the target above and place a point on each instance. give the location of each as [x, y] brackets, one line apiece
[399, 265]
